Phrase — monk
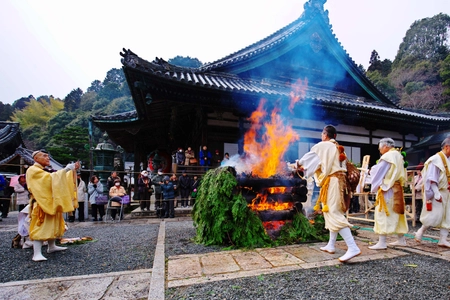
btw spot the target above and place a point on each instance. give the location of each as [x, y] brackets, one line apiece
[324, 162]
[51, 195]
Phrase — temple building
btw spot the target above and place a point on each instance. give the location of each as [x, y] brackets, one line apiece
[14, 157]
[210, 105]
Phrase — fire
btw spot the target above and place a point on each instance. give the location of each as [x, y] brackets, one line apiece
[270, 136]
[275, 140]
[266, 201]
[278, 190]
[273, 225]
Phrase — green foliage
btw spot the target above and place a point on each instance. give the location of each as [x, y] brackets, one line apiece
[119, 105]
[383, 67]
[68, 145]
[444, 72]
[185, 62]
[222, 217]
[426, 39]
[32, 137]
[87, 101]
[22, 102]
[46, 117]
[73, 99]
[114, 85]
[419, 85]
[417, 76]
[96, 86]
[6, 111]
[301, 230]
[37, 113]
[114, 76]
[382, 83]
[374, 61]
[412, 87]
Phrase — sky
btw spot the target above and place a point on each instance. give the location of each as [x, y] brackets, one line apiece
[50, 47]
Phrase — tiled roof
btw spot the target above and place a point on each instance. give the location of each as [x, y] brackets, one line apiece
[233, 83]
[435, 139]
[280, 42]
[312, 9]
[221, 75]
[8, 131]
[26, 155]
[125, 116]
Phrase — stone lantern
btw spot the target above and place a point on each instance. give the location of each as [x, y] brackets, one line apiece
[107, 159]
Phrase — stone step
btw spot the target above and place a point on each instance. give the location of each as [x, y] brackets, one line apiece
[179, 212]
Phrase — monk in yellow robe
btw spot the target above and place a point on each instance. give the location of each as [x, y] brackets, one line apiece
[52, 194]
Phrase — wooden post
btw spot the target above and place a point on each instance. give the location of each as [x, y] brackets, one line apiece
[364, 202]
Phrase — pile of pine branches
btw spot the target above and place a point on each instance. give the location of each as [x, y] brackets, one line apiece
[221, 217]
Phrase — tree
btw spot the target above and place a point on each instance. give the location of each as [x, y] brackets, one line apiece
[96, 86]
[69, 145]
[114, 85]
[383, 83]
[444, 72]
[114, 76]
[22, 102]
[6, 111]
[110, 91]
[73, 99]
[87, 101]
[119, 105]
[378, 72]
[37, 112]
[185, 62]
[426, 39]
[374, 62]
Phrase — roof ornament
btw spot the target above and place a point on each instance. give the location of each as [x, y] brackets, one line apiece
[129, 58]
[315, 7]
[162, 63]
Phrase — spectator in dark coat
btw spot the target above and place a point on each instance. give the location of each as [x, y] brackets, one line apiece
[216, 158]
[157, 180]
[185, 188]
[144, 186]
[169, 195]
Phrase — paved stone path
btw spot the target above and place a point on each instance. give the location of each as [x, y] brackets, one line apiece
[185, 270]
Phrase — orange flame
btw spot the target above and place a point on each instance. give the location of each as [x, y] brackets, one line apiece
[273, 145]
[273, 225]
[263, 202]
[276, 137]
[278, 190]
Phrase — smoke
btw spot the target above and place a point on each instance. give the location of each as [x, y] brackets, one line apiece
[242, 164]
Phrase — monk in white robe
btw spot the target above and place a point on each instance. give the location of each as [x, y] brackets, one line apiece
[323, 161]
[52, 194]
[436, 178]
[388, 179]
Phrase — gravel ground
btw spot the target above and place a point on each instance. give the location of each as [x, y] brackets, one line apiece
[118, 247]
[410, 277]
[381, 279]
[124, 246]
[180, 240]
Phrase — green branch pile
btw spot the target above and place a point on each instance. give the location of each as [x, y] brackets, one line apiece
[300, 230]
[221, 217]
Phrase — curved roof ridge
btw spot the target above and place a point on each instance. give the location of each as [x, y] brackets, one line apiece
[312, 8]
[130, 115]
